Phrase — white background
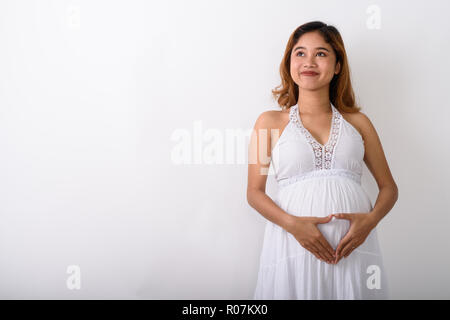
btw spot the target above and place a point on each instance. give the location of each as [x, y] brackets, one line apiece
[93, 93]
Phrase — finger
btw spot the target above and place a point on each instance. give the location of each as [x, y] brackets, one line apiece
[312, 251]
[347, 238]
[324, 246]
[324, 219]
[345, 216]
[328, 247]
[338, 259]
[348, 249]
[322, 243]
[348, 253]
[323, 252]
[317, 252]
[352, 248]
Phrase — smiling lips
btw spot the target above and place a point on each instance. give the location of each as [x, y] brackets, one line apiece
[309, 73]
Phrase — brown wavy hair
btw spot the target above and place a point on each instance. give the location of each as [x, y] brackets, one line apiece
[341, 91]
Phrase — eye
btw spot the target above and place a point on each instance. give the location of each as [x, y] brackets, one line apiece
[324, 55]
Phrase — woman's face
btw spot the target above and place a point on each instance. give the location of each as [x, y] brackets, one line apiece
[312, 53]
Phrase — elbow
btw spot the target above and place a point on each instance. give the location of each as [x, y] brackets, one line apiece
[394, 190]
[391, 187]
[391, 191]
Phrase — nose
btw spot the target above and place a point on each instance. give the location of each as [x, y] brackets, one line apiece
[310, 62]
[308, 66]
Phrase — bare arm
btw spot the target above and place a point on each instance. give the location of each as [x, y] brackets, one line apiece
[376, 162]
[259, 162]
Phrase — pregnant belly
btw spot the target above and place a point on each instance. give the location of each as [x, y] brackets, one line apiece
[323, 196]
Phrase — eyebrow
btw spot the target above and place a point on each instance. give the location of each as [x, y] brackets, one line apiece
[318, 48]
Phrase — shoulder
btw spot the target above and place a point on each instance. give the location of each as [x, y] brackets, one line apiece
[360, 121]
[374, 156]
[270, 119]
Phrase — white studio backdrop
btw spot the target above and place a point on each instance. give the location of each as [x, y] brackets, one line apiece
[124, 128]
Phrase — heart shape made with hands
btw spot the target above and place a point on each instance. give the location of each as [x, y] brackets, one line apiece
[345, 232]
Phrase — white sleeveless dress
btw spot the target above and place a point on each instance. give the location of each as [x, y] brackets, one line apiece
[316, 180]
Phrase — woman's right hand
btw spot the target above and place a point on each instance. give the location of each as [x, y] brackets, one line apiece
[309, 236]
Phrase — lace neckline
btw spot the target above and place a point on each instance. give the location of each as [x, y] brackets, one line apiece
[323, 154]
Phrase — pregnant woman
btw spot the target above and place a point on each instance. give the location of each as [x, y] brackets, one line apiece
[320, 239]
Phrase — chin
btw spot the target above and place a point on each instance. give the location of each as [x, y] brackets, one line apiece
[310, 87]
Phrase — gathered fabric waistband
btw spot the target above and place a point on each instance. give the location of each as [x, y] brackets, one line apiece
[321, 173]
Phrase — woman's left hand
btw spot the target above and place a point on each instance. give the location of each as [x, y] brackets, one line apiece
[361, 224]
